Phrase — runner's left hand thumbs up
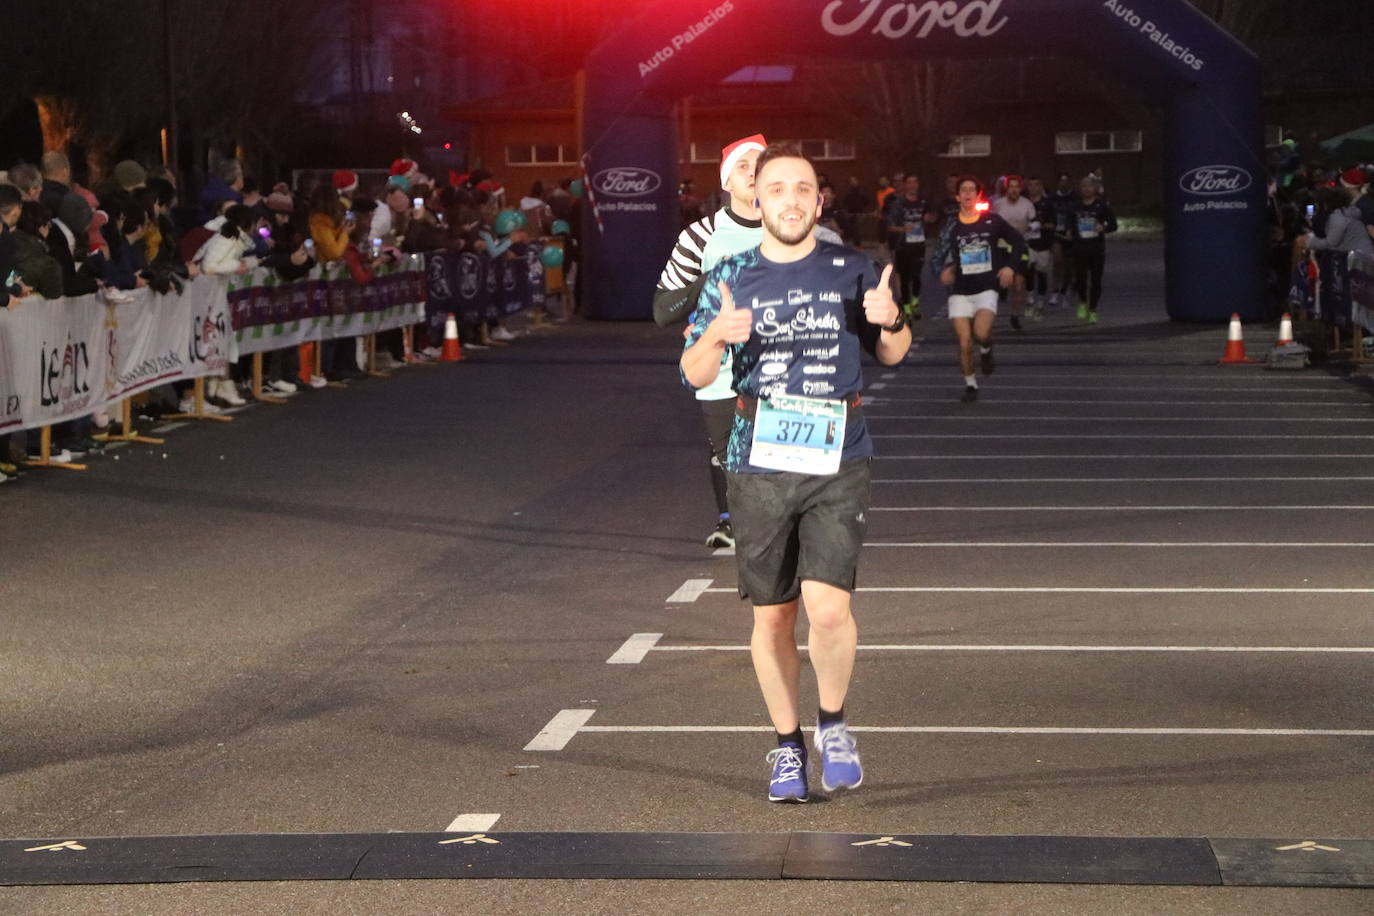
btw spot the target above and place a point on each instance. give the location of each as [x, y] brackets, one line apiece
[879, 306]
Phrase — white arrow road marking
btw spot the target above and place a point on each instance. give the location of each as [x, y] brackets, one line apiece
[1308, 846]
[57, 847]
[471, 840]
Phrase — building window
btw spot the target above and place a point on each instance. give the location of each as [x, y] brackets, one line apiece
[539, 154]
[969, 146]
[762, 74]
[823, 150]
[705, 152]
[1073, 142]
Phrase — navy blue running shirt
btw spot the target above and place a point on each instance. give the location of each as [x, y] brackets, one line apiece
[809, 328]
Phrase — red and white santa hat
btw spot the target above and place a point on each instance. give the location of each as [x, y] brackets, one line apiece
[345, 180]
[404, 168]
[732, 153]
[1354, 178]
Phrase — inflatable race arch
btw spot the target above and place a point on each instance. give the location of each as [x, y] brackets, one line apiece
[1215, 181]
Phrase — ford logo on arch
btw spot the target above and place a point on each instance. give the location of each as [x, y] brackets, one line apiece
[626, 181]
[1207, 180]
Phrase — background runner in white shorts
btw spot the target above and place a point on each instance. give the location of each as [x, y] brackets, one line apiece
[966, 306]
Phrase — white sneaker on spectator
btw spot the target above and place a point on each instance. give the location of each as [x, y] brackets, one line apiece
[502, 334]
[282, 386]
[318, 381]
[228, 392]
[432, 352]
[475, 346]
[61, 456]
[188, 405]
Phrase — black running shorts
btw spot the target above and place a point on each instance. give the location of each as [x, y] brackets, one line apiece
[790, 527]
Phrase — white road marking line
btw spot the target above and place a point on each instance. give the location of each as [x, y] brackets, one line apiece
[877, 386]
[689, 591]
[115, 446]
[988, 480]
[889, 375]
[1221, 375]
[981, 418]
[1152, 544]
[472, 823]
[1120, 436]
[560, 730]
[1092, 590]
[1005, 730]
[1363, 456]
[634, 649]
[723, 552]
[938, 647]
[1090, 402]
[168, 427]
[1092, 386]
[1308, 508]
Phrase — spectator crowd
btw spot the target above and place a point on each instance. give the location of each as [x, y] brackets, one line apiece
[138, 229]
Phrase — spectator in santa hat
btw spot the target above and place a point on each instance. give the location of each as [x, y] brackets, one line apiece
[345, 183]
[404, 168]
[1356, 183]
[1343, 229]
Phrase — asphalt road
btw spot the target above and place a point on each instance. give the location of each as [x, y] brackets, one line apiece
[353, 613]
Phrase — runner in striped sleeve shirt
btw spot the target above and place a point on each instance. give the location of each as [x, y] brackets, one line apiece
[733, 228]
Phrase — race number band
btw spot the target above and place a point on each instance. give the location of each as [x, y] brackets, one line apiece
[798, 434]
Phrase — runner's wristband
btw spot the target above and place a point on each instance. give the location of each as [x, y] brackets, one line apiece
[896, 325]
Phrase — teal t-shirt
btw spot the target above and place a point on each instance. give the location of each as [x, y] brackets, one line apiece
[733, 234]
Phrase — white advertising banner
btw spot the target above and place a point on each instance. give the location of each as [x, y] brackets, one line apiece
[65, 358]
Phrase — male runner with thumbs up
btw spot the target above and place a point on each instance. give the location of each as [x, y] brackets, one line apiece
[794, 314]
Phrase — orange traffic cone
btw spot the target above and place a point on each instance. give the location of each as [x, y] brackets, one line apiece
[453, 350]
[1285, 330]
[1235, 345]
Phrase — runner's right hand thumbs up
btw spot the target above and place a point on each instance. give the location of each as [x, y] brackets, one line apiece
[732, 325]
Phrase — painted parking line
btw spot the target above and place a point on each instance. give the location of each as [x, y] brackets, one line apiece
[1000, 730]
[941, 647]
[1126, 508]
[983, 418]
[1147, 456]
[1079, 480]
[1120, 508]
[1093, 386]
[472, 823]
[1151, 437]
[168, 427]
[723, 552]
[1151, 544]
[1001, 399]
[641, 644]
[1223, 376]
[634, 649]
[1087, 590]
[689, 591]
[560, 730]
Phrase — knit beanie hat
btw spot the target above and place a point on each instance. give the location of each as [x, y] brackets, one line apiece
[74, 213]
[280, 202]
[732, 154]
[345, 180]
[129, 174]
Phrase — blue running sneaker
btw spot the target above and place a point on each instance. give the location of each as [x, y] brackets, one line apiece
[789, 774]
[840, 767]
